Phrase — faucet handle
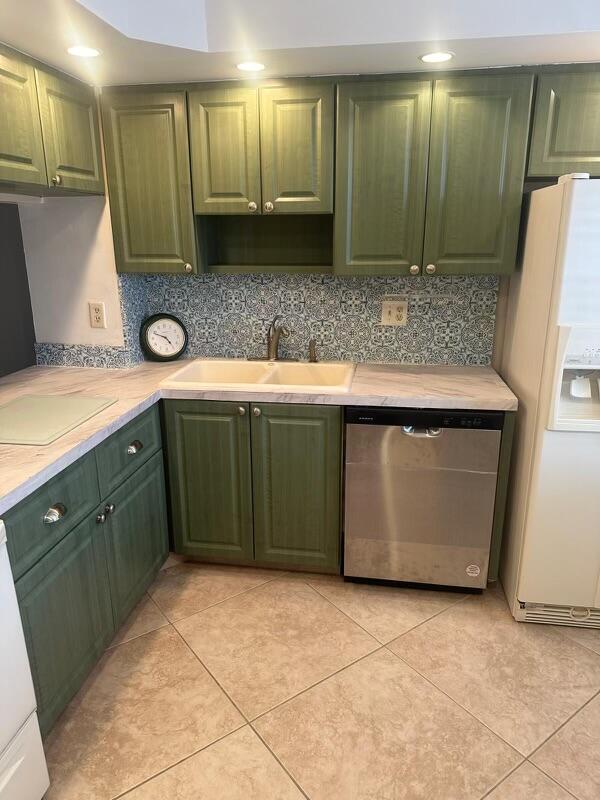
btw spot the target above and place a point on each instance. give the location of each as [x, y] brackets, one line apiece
[312, 351]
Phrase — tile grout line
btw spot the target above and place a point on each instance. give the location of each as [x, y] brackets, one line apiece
[139, 635]
[177, 763]
[554, 780]
[459, 705]
[218, 603]
[562, 725]
[281, 764]
[501, 781]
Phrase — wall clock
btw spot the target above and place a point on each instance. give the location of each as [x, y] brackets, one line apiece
[163, 337]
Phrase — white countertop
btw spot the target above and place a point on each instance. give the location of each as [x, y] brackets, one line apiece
[23, 468]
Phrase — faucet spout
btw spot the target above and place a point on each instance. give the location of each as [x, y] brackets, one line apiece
[274, 334]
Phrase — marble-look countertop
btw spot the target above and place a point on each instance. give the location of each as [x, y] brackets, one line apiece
[23, 468]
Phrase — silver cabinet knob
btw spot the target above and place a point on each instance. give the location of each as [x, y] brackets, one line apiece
[256, 411]
[57, 180]
[134, 447]
[241, 411]
[109, 508]
[269, 206]
[252, 206]
[430, 269]
[54, 514]
[100, 518]
[415, 269]
[188, 267]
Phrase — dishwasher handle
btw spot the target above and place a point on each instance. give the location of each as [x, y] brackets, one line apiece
[421, 433]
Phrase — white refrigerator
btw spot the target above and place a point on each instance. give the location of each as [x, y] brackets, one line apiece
[551, 360]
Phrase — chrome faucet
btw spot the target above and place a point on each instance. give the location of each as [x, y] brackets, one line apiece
[274, 333]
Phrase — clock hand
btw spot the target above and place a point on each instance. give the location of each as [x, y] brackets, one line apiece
[162, 336]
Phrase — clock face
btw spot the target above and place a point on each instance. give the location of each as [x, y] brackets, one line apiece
[163, 337]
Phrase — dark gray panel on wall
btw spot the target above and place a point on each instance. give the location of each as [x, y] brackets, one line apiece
[17, 336]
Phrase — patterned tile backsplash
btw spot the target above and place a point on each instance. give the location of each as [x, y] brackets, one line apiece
[450, 318]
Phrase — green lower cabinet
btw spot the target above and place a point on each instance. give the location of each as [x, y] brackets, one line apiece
[136, 535]
[67, 617]
[210, 478]
[296, 469]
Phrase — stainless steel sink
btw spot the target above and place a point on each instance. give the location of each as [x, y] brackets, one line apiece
[236, 374]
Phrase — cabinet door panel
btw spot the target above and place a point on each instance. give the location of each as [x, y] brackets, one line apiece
[137, 541]
[210, 478]
[71, 133]
[381, 174]
[225, 150]
[67, 617]
[476, 169]
[296, 469]
[147, 162]
[296, 138]
[21, 149]
[566, 125]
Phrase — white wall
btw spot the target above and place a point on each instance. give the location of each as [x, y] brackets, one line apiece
[70, 260]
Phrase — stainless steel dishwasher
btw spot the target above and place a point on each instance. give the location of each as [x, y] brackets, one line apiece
[420, 487]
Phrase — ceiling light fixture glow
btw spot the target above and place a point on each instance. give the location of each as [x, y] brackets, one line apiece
[251, 66]
[82, 51]
[437, 57]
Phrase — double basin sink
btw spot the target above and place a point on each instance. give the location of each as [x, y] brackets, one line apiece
[287, 376]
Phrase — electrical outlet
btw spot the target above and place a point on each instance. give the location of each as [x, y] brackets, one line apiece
[97, 314]
[394, 310]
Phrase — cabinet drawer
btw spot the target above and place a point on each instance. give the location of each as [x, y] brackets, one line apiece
[73, 493]
[126, 450]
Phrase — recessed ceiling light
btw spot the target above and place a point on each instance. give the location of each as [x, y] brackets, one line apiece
[251, 66]
[82, 51]
[437, 57]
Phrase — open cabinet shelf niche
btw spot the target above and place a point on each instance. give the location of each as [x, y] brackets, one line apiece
[279, 243]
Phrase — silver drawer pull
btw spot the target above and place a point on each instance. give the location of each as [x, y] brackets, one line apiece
[54, 514]
[134, 447]
[109, 508]
[421, 433]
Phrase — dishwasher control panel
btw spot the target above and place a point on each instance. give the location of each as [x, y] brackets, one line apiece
[431, 418]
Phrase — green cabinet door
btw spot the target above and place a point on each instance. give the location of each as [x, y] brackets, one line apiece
[224, 143]
[136, 533]
[381, 175]
[71, 133]
[296, 148]
[210, 478]
[476, 168]
[147, 162]
[67, 617]
[296, 473]
[566, 125]
[21, 148]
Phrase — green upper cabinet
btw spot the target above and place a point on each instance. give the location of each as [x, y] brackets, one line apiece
[566, 125]
[296, 473]
[381, 176]
[147, 161]
[135, 530]
[210, 478]
[476, 169]
[225, 152]
[67, 616]
[21, 148]
[71, 133]
[296, 148]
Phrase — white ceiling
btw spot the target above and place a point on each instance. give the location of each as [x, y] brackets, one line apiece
[145, 41]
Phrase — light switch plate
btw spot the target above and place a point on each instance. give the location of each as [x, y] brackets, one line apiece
[394, 310]
[97, 314]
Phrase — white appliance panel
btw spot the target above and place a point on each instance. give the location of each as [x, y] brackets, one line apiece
[23, 772]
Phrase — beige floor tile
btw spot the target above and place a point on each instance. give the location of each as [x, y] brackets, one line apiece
[528, 783]
[270, 643]
[145, 617]
[587, 637]
[378, 730]
[188, 588]
[571, 756]
[384, 611]
[522, 680]
[238, 767]
[147, 705]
